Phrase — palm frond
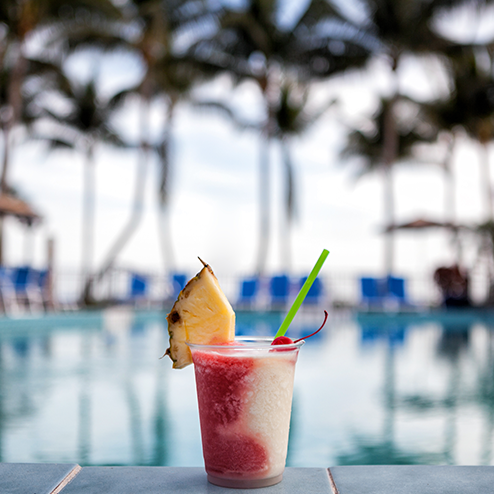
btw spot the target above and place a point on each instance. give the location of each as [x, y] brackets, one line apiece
[226, 111]
[412, 128]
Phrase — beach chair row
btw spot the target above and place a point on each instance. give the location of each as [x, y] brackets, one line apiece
[274, 292]
[22, 289]
[378, 292]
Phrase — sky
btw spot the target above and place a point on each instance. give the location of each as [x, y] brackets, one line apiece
[215, 188]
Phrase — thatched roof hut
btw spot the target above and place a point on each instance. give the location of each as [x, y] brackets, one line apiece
[13, 206]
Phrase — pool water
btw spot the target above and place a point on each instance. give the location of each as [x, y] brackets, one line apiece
[91, 389]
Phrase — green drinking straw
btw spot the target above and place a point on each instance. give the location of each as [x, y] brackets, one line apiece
[302, 293]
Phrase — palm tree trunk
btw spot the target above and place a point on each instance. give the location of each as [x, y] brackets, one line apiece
[449, 193]
[449, 197]
[88, 217]
[3, 182]
[486, 183]
[390, 151]
[14, 99]
[5, 158]
[486, 180]
[270, 91]
[389, 251]
[137, 206]
[164, 192]
[288, 210]
[264, 200]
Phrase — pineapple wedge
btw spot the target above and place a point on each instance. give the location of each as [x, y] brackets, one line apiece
[202, 315]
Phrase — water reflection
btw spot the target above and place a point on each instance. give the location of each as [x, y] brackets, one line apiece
[68, 388]
[85, 403]
[484, 395]
[468, 373]
[160, 454]
[376, 391]
[383, 450]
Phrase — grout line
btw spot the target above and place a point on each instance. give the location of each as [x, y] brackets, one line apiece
[332, 482]
[70, 476]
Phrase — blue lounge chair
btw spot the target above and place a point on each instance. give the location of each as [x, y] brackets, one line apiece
[396, 288]
[43, 282]
[179, 281]
[27, 288]
[314, 295]
[21, 277]
[7, 291]
[249, 291]
[279, 290]
[42, 278]
[371, 291]
[138, 286]
[138, 294]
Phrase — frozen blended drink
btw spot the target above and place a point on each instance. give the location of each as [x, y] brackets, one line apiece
[244, 385]
[244, 393]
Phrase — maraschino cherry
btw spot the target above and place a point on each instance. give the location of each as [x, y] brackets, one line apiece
[284, 340]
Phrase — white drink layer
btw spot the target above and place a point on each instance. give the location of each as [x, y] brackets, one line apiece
[268, 403]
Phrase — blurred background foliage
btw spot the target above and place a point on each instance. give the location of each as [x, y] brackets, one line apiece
[181, 44]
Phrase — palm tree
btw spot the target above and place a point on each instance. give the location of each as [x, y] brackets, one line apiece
[20, 19]
[409, 130]
[471, 106]
[403, 28]
[250, 43]
[175, 78]
[41, 76]
[293, 117]
[83, 127]
[166, 74]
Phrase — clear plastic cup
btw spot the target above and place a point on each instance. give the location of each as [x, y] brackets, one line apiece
[244, 393]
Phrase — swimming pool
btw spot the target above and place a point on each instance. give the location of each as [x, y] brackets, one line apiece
[90, 388]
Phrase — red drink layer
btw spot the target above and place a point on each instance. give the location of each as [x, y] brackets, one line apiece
[244, 405]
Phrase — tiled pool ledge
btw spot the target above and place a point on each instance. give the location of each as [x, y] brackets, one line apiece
[39, 478]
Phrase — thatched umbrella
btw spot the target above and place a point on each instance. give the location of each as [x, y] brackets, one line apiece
[425, 224]
[13, 206]
[420, 224]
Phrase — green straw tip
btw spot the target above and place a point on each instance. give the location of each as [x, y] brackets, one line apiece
[302, 293]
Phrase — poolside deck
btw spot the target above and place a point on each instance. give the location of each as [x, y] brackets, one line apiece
[72, 479]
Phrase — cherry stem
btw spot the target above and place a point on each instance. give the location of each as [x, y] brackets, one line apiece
[312, 334]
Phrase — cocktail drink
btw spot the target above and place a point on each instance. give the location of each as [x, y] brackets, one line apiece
[244, 394]
[244, 386]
